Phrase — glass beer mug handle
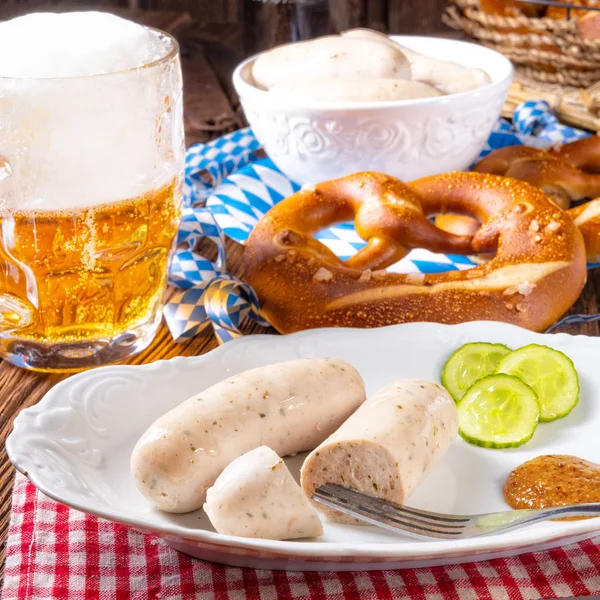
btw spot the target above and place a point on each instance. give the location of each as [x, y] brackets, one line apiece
[5, 168]
[14, 313]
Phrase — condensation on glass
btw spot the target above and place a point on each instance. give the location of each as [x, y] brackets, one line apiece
[90, 201]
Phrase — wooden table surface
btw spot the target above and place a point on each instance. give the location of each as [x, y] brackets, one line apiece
[209, 54]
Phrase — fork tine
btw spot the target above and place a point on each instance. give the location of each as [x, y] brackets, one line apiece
[373, 514]
[390, 509]
[417, 512]
[429, 518]
[385, 521]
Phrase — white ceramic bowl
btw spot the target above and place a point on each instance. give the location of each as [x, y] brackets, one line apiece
[404, 138]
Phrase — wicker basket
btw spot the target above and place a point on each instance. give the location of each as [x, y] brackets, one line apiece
[545, 50]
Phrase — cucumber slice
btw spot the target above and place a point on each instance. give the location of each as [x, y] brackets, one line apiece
[550, 373]
[498, 411]
[470, 363]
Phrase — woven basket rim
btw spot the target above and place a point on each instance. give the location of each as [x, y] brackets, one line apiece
[567, 44]
[575, 61]
[472, 10]
[569, 40]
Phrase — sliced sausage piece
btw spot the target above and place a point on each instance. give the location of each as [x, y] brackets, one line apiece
[256, 496]
[387, 446]
[291, 407]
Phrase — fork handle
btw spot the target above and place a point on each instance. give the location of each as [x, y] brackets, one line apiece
[519, 518]
[591, 509]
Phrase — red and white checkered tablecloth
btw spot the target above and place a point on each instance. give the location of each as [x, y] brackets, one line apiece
[56, 552]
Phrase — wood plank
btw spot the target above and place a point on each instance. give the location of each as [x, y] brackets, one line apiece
[223, 46]
[266, 25]
[587, 304]
[377, 16]
[232, 11]
[346, 14]
[207, 110]
[202, 11]
[172, 22]
[20, 389]
[416, 16]
[357, 10]
[231, 37]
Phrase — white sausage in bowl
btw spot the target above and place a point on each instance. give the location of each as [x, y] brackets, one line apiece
[387, 446]
[290, 407]
[329, 57]
[256, 496]
[353, 90]
[447, 76]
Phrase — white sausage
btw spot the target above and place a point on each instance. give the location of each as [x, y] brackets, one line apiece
[387, 446]
[449, 77]
[291, 407]
[353, 90]
[329, 57]
[256, 496]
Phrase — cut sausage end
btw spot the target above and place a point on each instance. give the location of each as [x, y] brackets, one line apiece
[387, 446]
[362, 466]
[256, 496]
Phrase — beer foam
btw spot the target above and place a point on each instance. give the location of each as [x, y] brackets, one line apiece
[81, 124]
[45, 45]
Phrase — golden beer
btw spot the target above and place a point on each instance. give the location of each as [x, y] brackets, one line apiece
[88, 274]
[91, 168]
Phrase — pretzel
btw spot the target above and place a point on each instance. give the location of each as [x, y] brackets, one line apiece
[587, 218]
[301, 284]
[583, 154]
[566, 173]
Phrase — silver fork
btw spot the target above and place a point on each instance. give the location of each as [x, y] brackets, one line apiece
[425, 524]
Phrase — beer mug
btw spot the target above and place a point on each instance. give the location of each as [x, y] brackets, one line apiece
[91, 165]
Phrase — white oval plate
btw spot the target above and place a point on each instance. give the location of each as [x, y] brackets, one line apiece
[75, 446]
